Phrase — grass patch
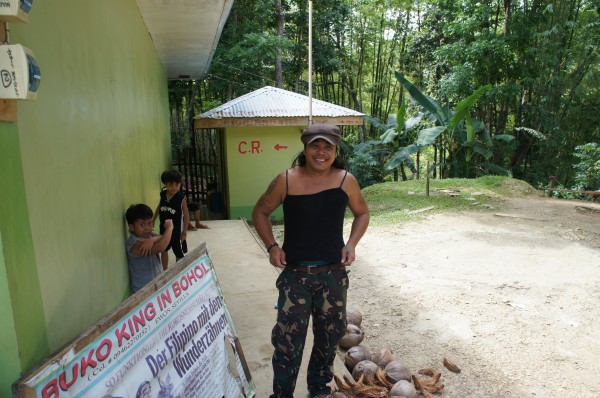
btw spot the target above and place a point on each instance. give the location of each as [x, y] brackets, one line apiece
[397, 202]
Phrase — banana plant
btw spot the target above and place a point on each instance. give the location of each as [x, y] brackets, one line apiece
[394, 134]
[459, 127]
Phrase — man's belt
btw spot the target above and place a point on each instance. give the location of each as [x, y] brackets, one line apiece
[315, 269]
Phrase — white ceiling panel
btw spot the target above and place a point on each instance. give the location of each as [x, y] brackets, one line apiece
[185, 33]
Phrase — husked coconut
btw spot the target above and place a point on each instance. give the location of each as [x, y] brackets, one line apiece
[404, 388]
[354, 317]
[356, 354]
[396, 371]
[366, 368]
[383, 357]
[339, 395]
[353, 336]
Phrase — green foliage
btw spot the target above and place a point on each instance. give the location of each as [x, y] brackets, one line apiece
[541, 57]
[458, 128]
[395, 134]
[366, 162]
[587, 170]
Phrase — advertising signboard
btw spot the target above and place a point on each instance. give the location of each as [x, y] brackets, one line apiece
[172, 339]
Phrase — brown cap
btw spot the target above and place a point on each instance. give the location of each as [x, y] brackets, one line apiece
[328, 132]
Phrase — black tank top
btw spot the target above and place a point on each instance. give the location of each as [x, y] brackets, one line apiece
[314, 225]
[170, 209]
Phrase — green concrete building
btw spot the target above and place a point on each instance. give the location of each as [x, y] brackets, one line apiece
[94, 141]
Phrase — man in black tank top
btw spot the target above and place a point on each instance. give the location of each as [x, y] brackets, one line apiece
[313, 258]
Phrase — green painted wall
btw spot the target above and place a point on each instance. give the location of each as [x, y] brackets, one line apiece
[9, 355]
[253, 162]
[95, 140]
[23, 307]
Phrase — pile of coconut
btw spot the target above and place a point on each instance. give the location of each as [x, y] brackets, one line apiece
[380, 374]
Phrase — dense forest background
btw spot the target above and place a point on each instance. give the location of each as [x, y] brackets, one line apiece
[474, 87]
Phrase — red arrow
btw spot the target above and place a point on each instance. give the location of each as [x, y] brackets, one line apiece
[278, 147]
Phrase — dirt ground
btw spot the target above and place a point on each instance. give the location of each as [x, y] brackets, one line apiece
[511, 295]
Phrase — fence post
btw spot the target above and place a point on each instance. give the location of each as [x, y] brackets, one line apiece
[427, 183]
[551, 185]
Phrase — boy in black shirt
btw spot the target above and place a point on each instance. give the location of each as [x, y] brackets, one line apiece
[173, 206]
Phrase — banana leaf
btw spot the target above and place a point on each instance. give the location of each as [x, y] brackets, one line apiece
[402, 156]
[428, 136]
[413, 121]
[470, 135]
[376, 122]
[480, 127]
[494, 168]
[483, 150]
[464, 106]
[424, 101]
[388, 136]
[365, 147]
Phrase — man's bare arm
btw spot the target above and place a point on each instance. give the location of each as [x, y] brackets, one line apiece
[265, 206]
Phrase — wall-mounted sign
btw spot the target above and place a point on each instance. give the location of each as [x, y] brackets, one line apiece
[15, 10]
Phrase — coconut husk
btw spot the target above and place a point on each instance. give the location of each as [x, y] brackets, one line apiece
[365, 368]
[354, 317]
[404, 388]
[429, 384]
[356, 354]
[396, 371]
[450, 365]
[383, 357]
[353, 336]
[367, 386]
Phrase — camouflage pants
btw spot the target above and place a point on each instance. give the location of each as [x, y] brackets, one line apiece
[301, 295]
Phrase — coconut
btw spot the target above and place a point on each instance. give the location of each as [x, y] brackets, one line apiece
[404, 388]
[354, 317]
[396, 371]
[364, 368]
[356, 354]
[383, 357]
[353, 336]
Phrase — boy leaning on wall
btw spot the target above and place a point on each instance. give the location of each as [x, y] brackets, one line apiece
[173, 206]
[144, 245]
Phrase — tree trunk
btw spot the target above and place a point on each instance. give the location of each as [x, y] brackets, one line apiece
[521, 153]
[507, 16]
[278, 70]
[435, 160]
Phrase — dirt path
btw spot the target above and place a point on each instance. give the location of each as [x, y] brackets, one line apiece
[511, 295]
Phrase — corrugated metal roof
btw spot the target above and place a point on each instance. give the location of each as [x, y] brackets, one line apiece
[275, 102]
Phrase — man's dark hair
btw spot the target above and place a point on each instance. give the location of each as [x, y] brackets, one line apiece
[171, 176]
[338, 162]
[138, 212]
